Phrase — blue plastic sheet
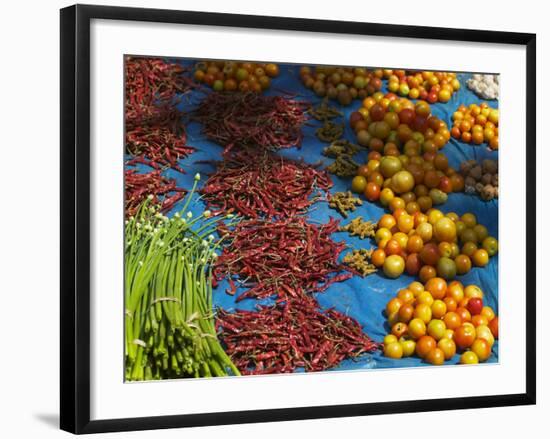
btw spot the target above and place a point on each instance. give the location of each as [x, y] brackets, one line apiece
[362, 298]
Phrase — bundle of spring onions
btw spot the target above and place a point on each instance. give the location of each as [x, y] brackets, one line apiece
[169, 323]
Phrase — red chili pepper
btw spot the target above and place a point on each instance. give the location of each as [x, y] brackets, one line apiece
[137, 187]
[154, 129]
[274, 339]
[250, 119]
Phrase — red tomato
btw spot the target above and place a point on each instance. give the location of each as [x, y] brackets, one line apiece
[413, 264]
[372, 191]
[475, 305]
[407, 116]
[430, 254]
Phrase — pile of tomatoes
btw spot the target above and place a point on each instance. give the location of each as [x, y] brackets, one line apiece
[232, 75]
[343, 84]
[391, 125]
[427, 245]
[429, 86]
[476, 124]
[414, 183]
[436, 320]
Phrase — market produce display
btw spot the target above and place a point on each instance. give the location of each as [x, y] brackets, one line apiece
[334, 228]
[438, 321]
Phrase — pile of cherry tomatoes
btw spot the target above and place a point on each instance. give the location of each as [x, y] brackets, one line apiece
[436, 320]
[429, 86]
[432, 244]
[390, 125]
[343, 84]
[232, 75]
[476, 124]
[413, 183]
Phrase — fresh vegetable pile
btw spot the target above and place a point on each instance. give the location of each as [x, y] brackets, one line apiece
[343, 84]
[250, 119]
[260, 183]
[290, 335]
[236, 76]
[485, 86]
[476, 124]
[155, 134]
[428, 86]
[169, 325]
[437, 319]
[286, 258]
[428, 245]
[481, 178]
[153, 185]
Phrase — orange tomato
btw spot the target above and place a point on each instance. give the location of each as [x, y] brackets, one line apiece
[464, 336]
[451, 304]
[393, 305]
[372, 191]
[392, 247]
[478, 320]
[387, 221]
[463, 263]
[493, 326]
[464, 314]
[455, 289]
[399, 329]
[481, 348]
[488, 313]
[405, 313]
[452, 320]
[378, 257]
[436, 356]
[424, 345]
[437, 286]
[415, 244]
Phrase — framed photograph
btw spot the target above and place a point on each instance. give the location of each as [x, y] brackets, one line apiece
[312, 219]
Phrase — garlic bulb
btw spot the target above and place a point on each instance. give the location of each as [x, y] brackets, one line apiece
[485, 86]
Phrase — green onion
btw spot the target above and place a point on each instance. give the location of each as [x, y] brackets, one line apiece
[169, 323]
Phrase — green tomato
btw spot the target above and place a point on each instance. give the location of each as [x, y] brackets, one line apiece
[490, 244]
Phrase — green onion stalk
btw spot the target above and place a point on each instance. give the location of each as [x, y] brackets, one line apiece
[169, 322]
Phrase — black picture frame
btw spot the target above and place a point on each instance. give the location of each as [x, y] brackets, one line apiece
[75, 217]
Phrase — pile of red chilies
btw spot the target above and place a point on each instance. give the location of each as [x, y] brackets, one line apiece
[252, 119]
[261, 183]
[139, 186]
[285, 258]
[290, 335]
[155, 134]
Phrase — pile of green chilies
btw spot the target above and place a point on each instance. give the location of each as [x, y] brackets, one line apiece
[169, 323]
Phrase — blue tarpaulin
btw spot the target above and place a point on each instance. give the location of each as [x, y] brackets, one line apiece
[364, 299]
